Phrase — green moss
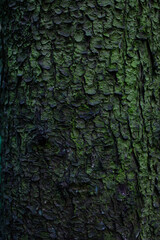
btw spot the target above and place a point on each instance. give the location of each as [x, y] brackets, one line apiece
[90, 81]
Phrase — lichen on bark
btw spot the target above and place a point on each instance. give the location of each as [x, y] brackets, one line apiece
[80, 120]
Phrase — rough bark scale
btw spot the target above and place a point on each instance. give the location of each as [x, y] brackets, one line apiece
[81, 124]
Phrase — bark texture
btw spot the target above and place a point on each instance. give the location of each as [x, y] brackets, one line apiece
[81, 124]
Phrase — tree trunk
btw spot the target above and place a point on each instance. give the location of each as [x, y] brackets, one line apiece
[81, 124]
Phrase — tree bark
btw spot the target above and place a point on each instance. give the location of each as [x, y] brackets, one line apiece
[80, 120]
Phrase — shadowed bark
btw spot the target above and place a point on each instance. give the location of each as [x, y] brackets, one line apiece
[80, 120]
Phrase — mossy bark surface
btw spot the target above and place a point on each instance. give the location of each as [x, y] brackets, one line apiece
[81, 123]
